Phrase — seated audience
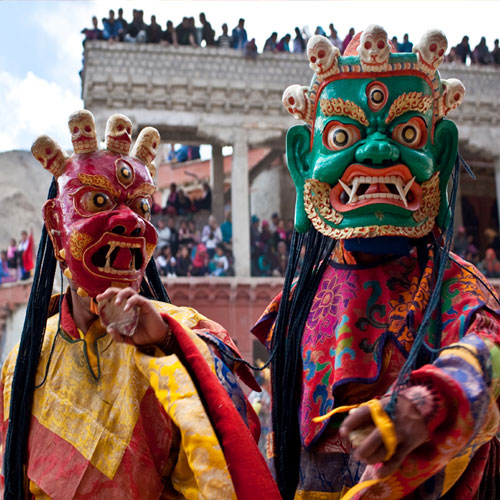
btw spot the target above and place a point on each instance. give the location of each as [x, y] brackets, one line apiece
[184, 263]
[166, 262]
[163, 233]
[200, 260]
[211, 236]
[205, 202]
[219, 264]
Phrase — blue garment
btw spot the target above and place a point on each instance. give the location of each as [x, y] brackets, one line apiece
[182, 153]
[226, 229]
[111, 30]
[405, 47]
[239, 38]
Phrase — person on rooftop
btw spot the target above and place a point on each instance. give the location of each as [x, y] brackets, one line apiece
[206, 31]
[137, 29]
[299, 44]
[112, 27]
[462, 50]
[154, 31]
[186, 35]
[406, 45]
[93, 33]
[170, 35]
[271, 42]
[239, 36]
[225, 41]
[284, 44]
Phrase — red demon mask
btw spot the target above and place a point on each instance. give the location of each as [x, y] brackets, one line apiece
[99, 221]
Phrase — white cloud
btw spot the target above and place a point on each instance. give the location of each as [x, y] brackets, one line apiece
[62, 24]
[33, 106]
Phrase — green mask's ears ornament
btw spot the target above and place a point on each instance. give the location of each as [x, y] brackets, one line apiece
[376, 153]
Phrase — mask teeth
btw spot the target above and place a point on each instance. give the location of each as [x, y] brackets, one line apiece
[112, 246]
[394, 180]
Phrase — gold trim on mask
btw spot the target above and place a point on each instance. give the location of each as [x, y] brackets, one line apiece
[318, 194]
[150, 248]
[77, 244]
[99, 182]
[339, 107]
[409, 101]
[316, 207]
[144, 189]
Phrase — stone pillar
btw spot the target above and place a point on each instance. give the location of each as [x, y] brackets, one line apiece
[240, 205]
[217, 182]
[497, 184]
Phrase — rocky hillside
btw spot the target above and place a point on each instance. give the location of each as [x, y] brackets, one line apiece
[24, 186]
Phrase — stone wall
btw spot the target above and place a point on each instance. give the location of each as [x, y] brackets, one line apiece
[203, 93]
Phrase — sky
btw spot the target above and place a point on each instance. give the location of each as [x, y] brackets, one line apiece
[41, 42]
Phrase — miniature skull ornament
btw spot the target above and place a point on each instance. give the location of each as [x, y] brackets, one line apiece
[374, 49]
[454, 92]
[430, 51]
[83, 134]
[118, 134]
[322, 55]
[296, 101]
[146, 146]
[50, 155]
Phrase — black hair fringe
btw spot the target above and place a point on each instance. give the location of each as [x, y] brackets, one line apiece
[152, 287]
[286, 342]
[26, 365]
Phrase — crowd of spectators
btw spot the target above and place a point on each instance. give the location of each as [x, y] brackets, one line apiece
[192, 242]
[464, 245]
[481, 54]
[16, 263]
[184, 250]
[270, 245]
[117, 29]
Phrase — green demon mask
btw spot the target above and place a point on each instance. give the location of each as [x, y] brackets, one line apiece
[376, 154]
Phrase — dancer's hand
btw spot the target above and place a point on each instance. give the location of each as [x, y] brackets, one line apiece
[151, 328]
[411, 432]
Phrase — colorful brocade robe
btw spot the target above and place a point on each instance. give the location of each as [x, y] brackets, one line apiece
[110, 421]
[357, 336]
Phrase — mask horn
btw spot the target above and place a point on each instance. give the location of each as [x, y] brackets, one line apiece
[146, 146]
[50, 155]
[118, 134]
[83, 134]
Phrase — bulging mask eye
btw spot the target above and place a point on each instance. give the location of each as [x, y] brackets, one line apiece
[412, 134]
[338, 136]
[377, 95]
[142, 206]
[94, 201]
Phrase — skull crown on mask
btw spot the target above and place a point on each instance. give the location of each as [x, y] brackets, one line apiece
[367, 163]
[99, 221]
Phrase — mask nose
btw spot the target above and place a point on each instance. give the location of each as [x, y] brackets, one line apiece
[377, 150]
[127, 224]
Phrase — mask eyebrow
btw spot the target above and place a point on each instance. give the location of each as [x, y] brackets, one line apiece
[409, 101]
[99, 182]
[339, 107]
[144, 189]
